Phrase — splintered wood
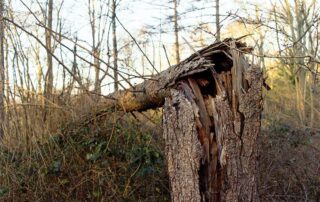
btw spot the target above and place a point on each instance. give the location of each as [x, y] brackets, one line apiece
[222, 107]
[211, 121]
[152, 92]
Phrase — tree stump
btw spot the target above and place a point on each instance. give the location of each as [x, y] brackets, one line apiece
[222, 108]
[212, 116]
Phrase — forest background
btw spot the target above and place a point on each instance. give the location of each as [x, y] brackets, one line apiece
[60, 57]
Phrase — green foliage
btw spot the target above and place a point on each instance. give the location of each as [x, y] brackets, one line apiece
[105, 160]
[3, 191]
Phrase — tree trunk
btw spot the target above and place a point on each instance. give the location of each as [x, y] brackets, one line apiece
[115, 48]
[49, 74]
[213, 98]
[218, 20]
[2, 71]
[176, 30]
[95, 48]
[226, 109]
[182, 149]
[39, 74]
[312, 99]
[97, 82]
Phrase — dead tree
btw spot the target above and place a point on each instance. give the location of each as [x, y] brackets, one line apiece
[218, 20]
[48, 34]
[176, 31]
[212, 112]
[115, 47]
[2, 71]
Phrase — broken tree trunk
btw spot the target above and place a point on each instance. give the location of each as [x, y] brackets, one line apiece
[152, 92]
[182, 147]
[211, 122]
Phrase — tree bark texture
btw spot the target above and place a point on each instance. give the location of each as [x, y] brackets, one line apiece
[151, 93]
[183, 148]
[214, 97]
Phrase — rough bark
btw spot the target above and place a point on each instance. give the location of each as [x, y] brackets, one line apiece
[240, 125]
[215, 95]
[182, 149]
[151, 93]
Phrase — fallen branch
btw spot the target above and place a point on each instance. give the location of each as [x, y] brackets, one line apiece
[151, 93]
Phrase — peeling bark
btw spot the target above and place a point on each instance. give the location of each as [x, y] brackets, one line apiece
[226, 107]
[151, 93]
[211, 121]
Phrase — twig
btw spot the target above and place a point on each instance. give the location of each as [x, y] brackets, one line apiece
[165, 52]
[137, 45]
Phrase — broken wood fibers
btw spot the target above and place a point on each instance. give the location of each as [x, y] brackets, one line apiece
[216, 95]
[226, 103]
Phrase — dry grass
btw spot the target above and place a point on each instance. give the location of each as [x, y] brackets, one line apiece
[114, 157]
[119, 157]
[289, 164]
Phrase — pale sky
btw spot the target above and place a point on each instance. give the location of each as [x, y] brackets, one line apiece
[135, 15]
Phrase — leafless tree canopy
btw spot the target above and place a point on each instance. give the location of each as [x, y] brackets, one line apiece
[175, 69]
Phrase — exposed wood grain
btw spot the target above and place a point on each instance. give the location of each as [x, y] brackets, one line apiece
[151, 93]
[212, 115]
[204, 116]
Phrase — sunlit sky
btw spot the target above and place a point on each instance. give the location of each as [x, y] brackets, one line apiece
[135, 15]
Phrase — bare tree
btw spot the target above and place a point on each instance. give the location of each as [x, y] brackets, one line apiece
[218, 20]
[2, 71]
[39, 72]
[98, 29]
[295, 23]
[176, 30]
[48, 33]
[294, 26]
[115, 46]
